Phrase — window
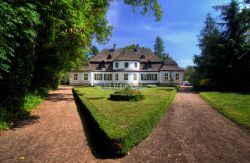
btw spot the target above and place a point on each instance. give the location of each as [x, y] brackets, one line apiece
[85, 77]
[98, 76]
[126, 64]
[165, 76]
[177, 76]
[135, 65]
[75, 76]
[135, 76]
[142, 57]
[109, 56]
[148, 76]
[107, 76]
[116, 65]
[125, 76]
[116, 77]
[149, 64]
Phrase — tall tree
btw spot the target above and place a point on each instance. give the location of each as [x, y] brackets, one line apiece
[41, 39]
[225, 51]
[159, 48]
[93, 51]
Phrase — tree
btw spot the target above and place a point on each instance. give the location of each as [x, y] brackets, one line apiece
[93, 51]
[225, 50]
[159, 48]
[189, 70]
[40, 40]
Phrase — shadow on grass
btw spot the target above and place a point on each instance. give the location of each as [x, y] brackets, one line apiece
[95, 140]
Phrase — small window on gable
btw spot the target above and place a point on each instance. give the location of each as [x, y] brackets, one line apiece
[142, 56]
[116, 65]
[109, 56]
[126, 64]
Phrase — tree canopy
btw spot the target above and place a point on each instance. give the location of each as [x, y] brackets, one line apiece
[159, 48]
[224, 62]
[40, 40]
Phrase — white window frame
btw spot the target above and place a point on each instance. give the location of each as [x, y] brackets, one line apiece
[177, 76]
[75, 76]
[125, 63]
[136, 65]
[116, 65]
[125, 77]
[135, 77]
[98, 76]
[166, 76]
[107, 76]
[85, 77]
[116, 77]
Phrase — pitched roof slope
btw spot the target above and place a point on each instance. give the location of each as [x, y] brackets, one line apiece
[170, 65]
[123, 54]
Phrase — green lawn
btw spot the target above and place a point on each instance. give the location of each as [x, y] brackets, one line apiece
[127, 121]
[235, 106]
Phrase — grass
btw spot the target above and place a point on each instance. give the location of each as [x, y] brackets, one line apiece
[235, 106]
[126, 122]
[31, 101]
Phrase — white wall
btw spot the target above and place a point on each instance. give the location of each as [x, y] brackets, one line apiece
[173, 75]
[80, 78]
[131, 65]
[130, 80]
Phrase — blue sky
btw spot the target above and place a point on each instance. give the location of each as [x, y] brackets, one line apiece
[179, 27]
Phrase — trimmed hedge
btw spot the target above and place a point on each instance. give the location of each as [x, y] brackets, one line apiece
[119, 146]
[119, 97]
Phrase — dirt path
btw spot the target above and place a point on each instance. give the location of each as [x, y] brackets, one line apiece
[54, 133]
[191, 131]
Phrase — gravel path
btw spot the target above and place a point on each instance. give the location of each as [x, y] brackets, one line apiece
[191, 131]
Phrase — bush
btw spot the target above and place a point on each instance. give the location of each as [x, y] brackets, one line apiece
[127, 94]
[119, 97]
[119, 144]
[151, 86]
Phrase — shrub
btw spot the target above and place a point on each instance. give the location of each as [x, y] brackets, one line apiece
[151, 86]
[127, 94]
[119, 143]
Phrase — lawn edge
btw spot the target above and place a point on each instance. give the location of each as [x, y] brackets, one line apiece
[121, 146]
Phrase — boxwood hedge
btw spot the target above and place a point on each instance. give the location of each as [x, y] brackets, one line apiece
[120, 145]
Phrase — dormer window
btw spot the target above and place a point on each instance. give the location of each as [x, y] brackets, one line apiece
[109, 56]
[142, 57]
[149, 64]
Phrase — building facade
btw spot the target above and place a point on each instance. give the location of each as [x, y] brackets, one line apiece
[133, 67]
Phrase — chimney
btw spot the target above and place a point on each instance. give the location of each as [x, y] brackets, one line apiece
[137, 48]
[114, 49]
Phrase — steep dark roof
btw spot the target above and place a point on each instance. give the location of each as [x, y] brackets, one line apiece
[126, 55]
[170, 65]
[148, 61]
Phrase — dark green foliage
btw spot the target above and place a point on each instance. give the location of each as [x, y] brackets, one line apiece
[189, 70]
[120, 136]
[41, 40]
[160, 49]
[127, 94]
[121, 97]
[225, 50]
[92, 51]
